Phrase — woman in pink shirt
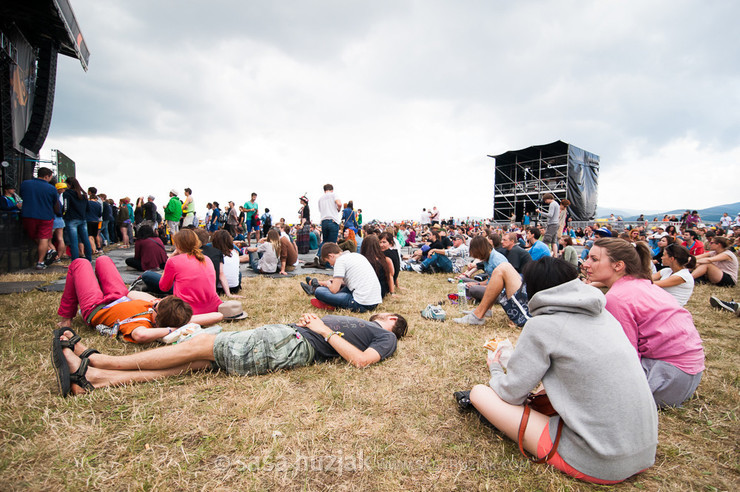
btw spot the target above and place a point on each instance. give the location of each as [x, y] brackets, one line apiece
[192, 274]
[662, 332]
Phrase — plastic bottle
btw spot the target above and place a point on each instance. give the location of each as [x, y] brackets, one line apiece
[462, 297]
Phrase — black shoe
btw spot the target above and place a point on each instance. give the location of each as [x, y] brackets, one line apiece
[463, 399]
[313, 282]
[49, 258]
[730, 306]
[307, 289]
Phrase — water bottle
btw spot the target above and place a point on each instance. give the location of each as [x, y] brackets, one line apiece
[462, 297]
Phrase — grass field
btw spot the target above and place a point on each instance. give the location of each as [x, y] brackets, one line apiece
[393, 426]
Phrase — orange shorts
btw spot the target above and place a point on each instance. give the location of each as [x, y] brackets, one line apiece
[545, 445]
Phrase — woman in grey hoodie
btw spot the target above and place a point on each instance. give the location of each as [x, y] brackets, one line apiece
[592, 376]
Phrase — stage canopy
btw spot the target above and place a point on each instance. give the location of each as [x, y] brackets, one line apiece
[523, 176]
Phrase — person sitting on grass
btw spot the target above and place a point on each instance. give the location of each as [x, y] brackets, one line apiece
[189, 274]
[263, 258]
[662, 333]
[606, 427]
[441, 260]
[103, 299]
[149, 251]
[354, 286]
[481, 249]
[719, 265]
[676, 278]
[505, 286]
[311, 339]
[537, 249]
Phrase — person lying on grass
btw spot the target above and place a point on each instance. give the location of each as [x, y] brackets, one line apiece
[246, 353]
[103, 299]
[607, 427]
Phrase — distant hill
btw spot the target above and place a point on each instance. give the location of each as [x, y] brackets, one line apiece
[708, 215]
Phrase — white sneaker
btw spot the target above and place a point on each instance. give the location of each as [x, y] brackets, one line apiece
[469, 319]
[489, 313]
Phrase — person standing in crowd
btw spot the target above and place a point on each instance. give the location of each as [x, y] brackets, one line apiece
[552, 221]
[232, 219]
[149, 211]
[40, 201]
[172, 213]
[58, 234]
[215, 218]
[94, 217]
[188, 209]
[75, 219]
[329, 208]
[252, 217]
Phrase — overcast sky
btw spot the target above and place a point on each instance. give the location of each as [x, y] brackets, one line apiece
[397, 103]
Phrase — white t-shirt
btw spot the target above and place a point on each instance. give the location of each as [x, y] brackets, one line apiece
[425, 218]
[682, 292]
[359, 277]
[725, 221]
[231, 269]
[328, 208]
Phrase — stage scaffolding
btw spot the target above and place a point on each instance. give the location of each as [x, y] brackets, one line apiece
[522, 177]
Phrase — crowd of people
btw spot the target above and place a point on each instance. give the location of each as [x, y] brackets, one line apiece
[614, 312]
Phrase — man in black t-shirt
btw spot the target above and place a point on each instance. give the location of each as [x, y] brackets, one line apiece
[518, 257]
[250, 352]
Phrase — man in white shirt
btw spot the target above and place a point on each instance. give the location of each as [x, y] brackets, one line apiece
[329, 211]
[354, 285]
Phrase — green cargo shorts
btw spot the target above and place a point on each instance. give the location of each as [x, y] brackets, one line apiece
[265, 349]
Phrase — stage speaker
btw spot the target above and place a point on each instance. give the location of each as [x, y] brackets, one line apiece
[43, 98]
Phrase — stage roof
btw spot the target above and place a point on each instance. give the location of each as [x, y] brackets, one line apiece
[534, 152]
[39, 20]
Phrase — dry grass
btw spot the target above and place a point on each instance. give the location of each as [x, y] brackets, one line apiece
[392, 426]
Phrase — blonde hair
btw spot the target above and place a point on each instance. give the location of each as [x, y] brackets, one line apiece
[273, 237]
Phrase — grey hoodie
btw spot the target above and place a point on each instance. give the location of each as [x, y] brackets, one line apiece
[593, 378]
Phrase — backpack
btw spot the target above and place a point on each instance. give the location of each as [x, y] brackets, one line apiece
[267, 222]
[123, 215]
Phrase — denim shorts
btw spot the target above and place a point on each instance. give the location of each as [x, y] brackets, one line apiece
[262, 350]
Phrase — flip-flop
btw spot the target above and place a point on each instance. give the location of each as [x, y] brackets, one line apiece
[61, 368]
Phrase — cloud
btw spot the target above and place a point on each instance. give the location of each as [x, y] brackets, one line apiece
[396, 103]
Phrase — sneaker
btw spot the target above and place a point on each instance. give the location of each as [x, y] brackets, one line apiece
[469, 319]
[730, 306]
[40, 266]
[434, 312]
[489, 313]
[313, 282]
[50, 255]
[138, 285]
[463, 399]
[417, 268]
[307, 288]
[322, 305]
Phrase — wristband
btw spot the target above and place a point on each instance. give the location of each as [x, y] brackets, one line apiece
[338, 333]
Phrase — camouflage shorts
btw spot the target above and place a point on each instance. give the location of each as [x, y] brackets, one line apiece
[265, 349]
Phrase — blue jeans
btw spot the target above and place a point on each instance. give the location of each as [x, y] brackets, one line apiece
[342, 299]
[151, 280]
[329, 233]
[104, 232]
[77, 233]
[440, 262]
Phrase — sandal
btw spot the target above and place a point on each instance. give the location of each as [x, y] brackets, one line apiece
[61, 368]
[70, 344]
[78, 377]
